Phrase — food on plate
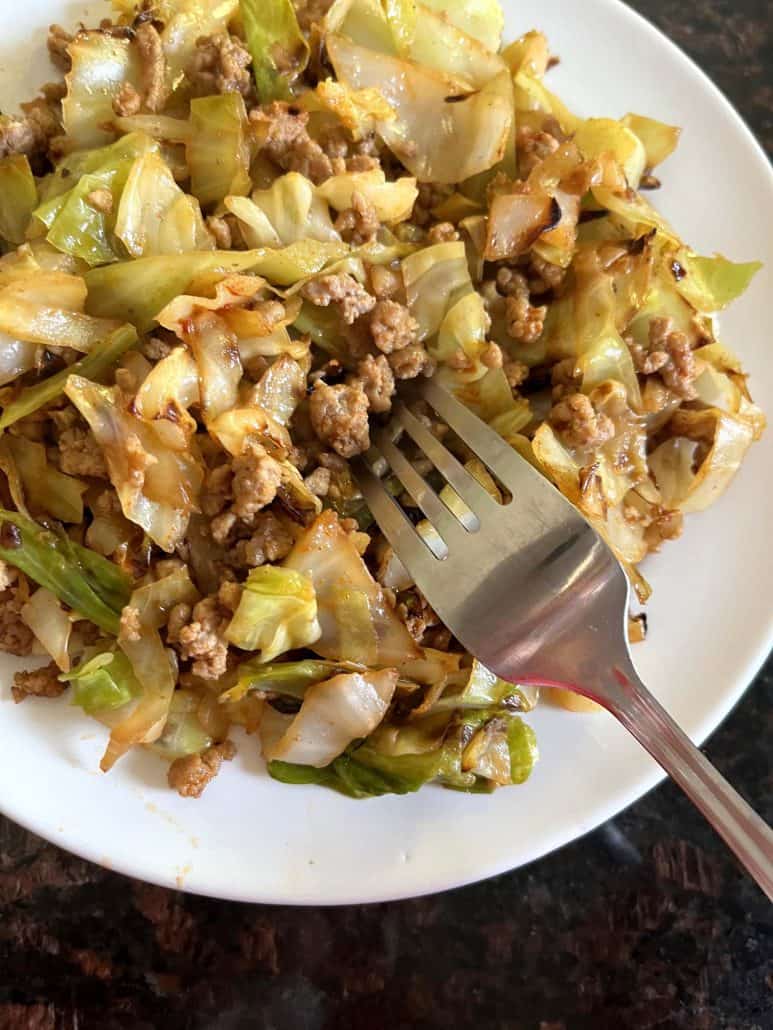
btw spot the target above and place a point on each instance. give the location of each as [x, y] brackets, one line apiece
[229, 235]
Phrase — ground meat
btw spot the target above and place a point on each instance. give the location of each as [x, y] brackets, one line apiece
[152, 65]
[80, 454]
[668, 353]
[216, 491]
[101, 200]
[417, 615]
[127, 102]
[256, 479]
[524, 322]
[282, 131]
[318, 481]
[343, 290]
[491, 356]
[33, 132]
[339, 417]
[411, 361]
[221, 526]
[58, 41]
[15, 636]
[564, 378]
[376, 378]
[392, 326]
[202, 639]
[667, 525]
[544, 275]
[443, 232]
[271, 541]
[384, 282]
[430, 196]
[532, 147]
[155, 349]
[221, 229]
[38, 683]
[220, 65]
[516, 372]
[130, 627]
[190, 775]
[359, 223]
[579, 424]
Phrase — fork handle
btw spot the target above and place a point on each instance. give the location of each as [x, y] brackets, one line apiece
[742, 829]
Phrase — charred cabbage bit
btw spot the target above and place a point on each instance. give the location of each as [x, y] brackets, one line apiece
[91, 585]
[257, 220]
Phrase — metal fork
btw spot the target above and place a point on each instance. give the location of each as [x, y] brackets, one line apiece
[533, 592]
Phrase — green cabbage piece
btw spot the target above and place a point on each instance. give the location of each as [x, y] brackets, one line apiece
[217, 151]
[103, 683]
[277, 612]
[711, 283]
[78, 227]
[155, 216]
[46, 489]
[95, 365]
[440, 132]
[75, 225]
[90, 584]
[18, 197]
[401, 16]
[110, 164]
[484, 20]
[101, 64]
[279, 49]
[290, 679]
[288, 212]
[368, 770]
[183, 733]
[136, 291]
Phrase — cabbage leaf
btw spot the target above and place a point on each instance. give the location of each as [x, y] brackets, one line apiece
[277, 613]
[90, 584]
[278, 47]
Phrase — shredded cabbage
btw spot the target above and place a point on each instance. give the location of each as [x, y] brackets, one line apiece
[103, 683]
[18, 197]
[334, 713]
[155, 216]
[217, 150]
[92, 586]
[155, 475]
[50, 623]
[277, 613]
[279, 49]
[437, 136]
[326, 553]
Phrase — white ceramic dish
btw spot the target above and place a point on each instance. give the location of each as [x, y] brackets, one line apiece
[252, 839]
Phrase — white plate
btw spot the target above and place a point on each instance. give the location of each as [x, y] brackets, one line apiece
[251, 839]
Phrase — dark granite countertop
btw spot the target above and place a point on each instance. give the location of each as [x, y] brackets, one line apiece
[646, 923]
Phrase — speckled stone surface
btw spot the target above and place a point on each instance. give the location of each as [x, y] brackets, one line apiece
[646, 923]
